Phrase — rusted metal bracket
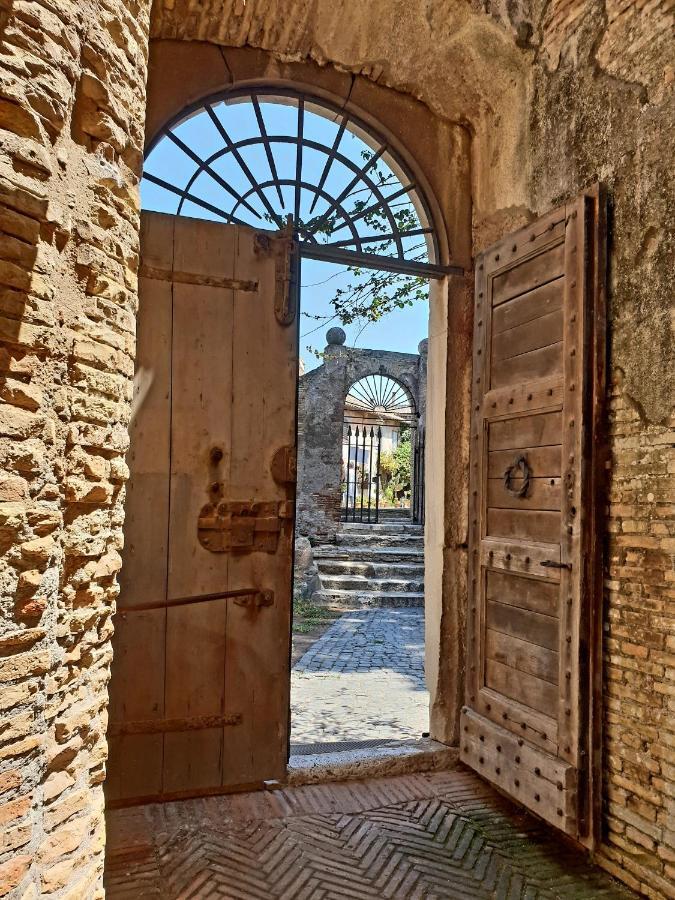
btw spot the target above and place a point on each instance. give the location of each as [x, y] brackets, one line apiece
[284, 466]
[257, 600]
[226, 526]
[283, 246]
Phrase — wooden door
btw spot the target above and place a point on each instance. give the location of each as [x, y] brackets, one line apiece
[531, 723]
[200, 675]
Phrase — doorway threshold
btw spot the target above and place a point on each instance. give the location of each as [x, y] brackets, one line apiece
[349, 760]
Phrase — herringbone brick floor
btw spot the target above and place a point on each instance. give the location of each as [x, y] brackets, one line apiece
[442, 835]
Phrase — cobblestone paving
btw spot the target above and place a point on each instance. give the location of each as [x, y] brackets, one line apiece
[362, 680]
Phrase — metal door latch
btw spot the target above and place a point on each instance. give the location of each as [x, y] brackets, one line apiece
[552, 564]
[257, 599]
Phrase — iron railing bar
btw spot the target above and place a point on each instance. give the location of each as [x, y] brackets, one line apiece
[361, 175]
[370, 472]
[234, 150]
[375, 238]
[340, 256]
[185, 195]
[303, 226]
[204, 166]
[298, 160]
[374, 206]
[266, 145]
[358, 390]
[363, 465]
[377, 475]
[330, 159]
[391, 390]
[349, 447]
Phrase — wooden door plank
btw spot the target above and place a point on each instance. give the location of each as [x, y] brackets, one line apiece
[522, 655]
[524, 624]
[545, 462]
[537, 237]
[542, 493]
[528, 306]
[521, 557]
[143, 574]
[526, 275]
[527, 593]
[545, 362]
[201, 423]
[137, 669]
[523, 524]
[532, 335]
[263, 412]
[521, 687]
[541, 430]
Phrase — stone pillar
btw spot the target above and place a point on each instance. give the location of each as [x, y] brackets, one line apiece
[72, 111]
[320, 415]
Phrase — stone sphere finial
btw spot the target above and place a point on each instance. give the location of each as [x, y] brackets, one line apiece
[423, 347]
[336, 336]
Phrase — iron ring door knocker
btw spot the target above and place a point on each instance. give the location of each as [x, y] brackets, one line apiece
[520, 467]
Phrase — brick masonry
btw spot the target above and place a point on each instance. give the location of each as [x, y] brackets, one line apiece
[556, 94]
[71, 133]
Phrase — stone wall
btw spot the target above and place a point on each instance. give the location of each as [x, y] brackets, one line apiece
[321, 406]
[71, 133]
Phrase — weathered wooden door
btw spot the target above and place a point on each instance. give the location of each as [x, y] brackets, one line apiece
[530, 724]
[200, 675]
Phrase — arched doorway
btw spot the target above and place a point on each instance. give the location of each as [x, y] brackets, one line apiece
[237, 189]
[380, 422]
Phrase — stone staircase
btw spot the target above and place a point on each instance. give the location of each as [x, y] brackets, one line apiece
[372, 565]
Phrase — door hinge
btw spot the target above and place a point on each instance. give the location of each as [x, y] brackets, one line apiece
[552, 564]
[284, 466]
[227, 526]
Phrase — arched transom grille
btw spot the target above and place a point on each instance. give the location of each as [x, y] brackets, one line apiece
[379, 397]
[256, 157]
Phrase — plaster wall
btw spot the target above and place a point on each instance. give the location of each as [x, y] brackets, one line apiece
[532, 100]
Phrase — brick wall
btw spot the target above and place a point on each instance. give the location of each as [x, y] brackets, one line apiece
[640, 653]
[71, 124]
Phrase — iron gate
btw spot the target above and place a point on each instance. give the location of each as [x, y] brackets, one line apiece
[418, 477]
[361, 481]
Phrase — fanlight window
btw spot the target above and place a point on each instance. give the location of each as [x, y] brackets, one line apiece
[257, 157]
[379, 398]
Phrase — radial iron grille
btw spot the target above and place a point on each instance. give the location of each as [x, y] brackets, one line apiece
[254, 158]
[380, 397]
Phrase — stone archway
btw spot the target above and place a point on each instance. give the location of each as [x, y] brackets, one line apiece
[321, 413]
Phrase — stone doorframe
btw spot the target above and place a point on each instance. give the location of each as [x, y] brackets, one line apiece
[438, 152]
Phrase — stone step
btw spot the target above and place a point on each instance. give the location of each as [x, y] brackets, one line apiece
[371, 585]
[371, 569]
[374, 539]
[391, 555]
[380, 528]
[394, 514]
[367, 599]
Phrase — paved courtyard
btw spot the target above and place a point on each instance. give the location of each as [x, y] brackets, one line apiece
[362, 680]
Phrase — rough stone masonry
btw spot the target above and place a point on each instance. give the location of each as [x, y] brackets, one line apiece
[552, 94]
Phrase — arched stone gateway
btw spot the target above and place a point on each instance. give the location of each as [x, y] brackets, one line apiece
[506, 110]
[329, 396]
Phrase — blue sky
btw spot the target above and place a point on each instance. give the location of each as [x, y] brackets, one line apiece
[401, 330]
